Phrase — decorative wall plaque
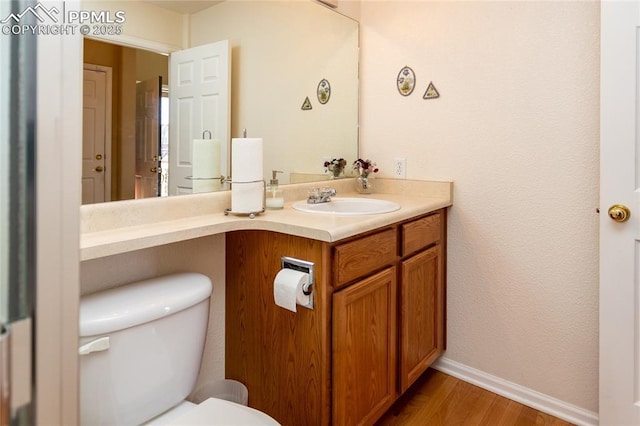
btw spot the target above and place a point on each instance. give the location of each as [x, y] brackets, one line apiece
[306, 105]
[431, 92]
[324, 91]
[406, 81]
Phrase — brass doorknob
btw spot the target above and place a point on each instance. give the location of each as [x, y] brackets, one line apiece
[154, 169]
[619, 213]
[99, 169]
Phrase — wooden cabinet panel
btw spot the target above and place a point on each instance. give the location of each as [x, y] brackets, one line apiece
[421, 233]
[282, 357]
[364, 349]
[421, 314]
[360, 257]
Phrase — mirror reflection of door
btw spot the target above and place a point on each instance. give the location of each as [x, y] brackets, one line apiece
[200, 100]
[121, 166]
[96, 134]
[140, 156]
[148, 134]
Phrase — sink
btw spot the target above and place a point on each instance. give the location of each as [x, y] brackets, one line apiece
[348, 206]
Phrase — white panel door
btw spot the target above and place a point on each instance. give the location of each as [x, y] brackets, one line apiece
[619, 240]
[199, 101]
[96, 135]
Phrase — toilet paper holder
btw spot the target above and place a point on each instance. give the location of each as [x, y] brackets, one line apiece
[287, 262]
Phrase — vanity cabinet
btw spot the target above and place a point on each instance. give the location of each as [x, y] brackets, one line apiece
[364, 349]
[377, 325]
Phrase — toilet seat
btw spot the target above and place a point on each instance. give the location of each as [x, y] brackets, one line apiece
[215, 411]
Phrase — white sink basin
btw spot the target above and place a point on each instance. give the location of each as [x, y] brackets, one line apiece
[348, 206]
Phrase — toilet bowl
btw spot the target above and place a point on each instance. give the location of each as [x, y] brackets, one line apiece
[140, 351]
[212, 411]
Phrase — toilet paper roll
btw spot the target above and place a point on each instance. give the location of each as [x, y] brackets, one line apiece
[287, 289]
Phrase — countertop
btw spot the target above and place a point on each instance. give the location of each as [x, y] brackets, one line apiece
[119, 227]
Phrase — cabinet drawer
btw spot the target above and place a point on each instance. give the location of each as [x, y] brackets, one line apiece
[420, 233]
[363, 256]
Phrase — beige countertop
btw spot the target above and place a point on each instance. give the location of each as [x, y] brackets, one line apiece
[120, 227]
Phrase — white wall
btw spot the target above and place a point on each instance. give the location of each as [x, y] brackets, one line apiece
[160, 28]
[350, 8]
[280, 52]
[58, 173]
[516, 128]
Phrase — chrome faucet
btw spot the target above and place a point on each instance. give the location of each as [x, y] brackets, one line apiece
[320, 195]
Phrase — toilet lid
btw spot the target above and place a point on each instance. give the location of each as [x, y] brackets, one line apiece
[216, 411]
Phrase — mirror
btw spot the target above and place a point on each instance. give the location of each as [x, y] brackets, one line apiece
[294, 82]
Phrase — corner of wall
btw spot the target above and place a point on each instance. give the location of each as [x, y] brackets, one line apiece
[186, 31]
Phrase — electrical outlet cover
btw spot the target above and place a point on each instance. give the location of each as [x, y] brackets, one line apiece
[400, 168]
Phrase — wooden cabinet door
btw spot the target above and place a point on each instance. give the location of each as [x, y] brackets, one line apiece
[364, 349]
[421, 314]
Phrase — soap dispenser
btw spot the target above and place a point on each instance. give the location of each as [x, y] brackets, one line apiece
[275, 197]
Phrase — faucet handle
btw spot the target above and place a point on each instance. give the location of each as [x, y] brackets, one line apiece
[326, 191]
[320, 195]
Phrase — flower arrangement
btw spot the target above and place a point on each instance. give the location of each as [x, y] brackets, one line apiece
[335, 166]
[364, 167]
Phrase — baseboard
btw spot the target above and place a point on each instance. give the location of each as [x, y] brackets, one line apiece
[539, 401]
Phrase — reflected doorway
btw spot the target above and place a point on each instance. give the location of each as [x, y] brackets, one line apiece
[164, 142]
[148, 135]
[126, 154]
[96, 132]
[152, 138]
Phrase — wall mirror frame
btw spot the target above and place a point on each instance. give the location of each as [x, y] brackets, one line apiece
[270, 79]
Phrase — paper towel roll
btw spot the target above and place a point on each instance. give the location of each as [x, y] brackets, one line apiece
[206, 185]
[246, 159]
[247, 197]
[287, 289]
[206, 158]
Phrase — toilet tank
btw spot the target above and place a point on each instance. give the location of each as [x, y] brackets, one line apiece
[140, 348]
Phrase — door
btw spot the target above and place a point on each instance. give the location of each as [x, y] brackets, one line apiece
[199, 101]
[96, 134]
[148, 134]
[364, 349]
[619, 235]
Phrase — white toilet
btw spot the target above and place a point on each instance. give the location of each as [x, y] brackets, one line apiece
[140, 352]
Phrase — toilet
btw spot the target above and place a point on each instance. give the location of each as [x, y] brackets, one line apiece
[140, 351]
